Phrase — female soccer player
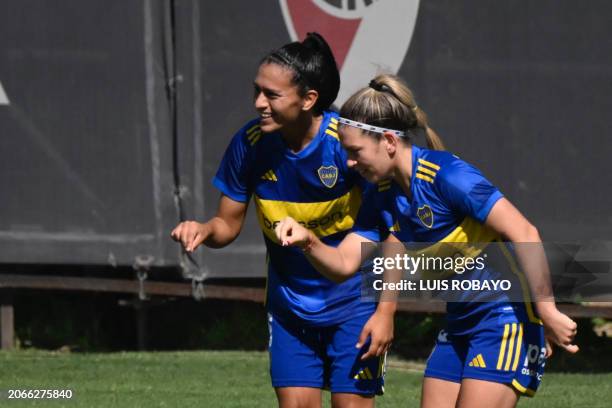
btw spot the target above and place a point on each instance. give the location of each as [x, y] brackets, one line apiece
[491, 352]
[290, 161]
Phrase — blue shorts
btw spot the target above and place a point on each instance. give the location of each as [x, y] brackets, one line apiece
[505, 347]
[324, 357]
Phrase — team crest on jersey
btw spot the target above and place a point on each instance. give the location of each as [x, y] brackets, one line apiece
[355, 29]
[328, 175]
[425, 214]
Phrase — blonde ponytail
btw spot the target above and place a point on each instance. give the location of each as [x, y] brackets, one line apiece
[389, 103]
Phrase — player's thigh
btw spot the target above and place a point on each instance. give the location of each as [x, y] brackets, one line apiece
[484, 394]
[345, 400]
[438, 393]
[298, 397]
[348, 373]
[443, 372]
[295, 357]
[511, 353]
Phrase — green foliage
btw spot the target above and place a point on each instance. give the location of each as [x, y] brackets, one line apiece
[87, 322]
[415, 334]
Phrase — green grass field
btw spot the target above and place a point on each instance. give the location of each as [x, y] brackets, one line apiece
[224, 379]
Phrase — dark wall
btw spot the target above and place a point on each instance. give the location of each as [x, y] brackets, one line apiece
[114, 106]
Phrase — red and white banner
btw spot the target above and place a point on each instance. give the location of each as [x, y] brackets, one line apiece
[367, 36]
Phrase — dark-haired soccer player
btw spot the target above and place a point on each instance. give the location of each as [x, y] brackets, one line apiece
[290, 161]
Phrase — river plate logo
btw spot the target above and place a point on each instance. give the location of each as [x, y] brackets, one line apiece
[328, 175]
[367, 36]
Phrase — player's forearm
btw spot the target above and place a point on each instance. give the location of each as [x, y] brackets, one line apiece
[391, 276]
[533, 262]
[387, 305]
[221, 233]
[328, 261]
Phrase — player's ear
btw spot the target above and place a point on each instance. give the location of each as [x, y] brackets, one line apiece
[309, 100]
[390, 141]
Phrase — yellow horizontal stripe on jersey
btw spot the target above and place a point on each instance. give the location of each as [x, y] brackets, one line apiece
[334, 121]
[518, 347]
[470, 238]
[510, 347]
[331, 133]
[502, 349]
[429, 164]
[426, 171]
[424, 177]
[334, 126]
[322, 218]
[252, 128]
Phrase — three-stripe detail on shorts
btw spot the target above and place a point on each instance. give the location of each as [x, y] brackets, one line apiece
[511, 346]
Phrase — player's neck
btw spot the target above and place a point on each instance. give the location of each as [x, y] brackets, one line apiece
[302, 132]
[402, 172]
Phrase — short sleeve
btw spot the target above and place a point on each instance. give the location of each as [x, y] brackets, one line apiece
[232, 177]
[367, 222]
[466, 190]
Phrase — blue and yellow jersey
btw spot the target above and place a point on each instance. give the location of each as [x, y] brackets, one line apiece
[313, 186]
[449, 203]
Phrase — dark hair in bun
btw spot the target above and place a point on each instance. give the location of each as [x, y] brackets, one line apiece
[314, 68]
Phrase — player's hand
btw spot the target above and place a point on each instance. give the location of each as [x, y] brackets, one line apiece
[380, 330]
[559, 329]
[549, 348]
[290, 233]
[191, 234]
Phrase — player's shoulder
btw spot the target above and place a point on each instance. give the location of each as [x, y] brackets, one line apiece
[436, 160]
[250, 133]
[329, 128]
[438, 166]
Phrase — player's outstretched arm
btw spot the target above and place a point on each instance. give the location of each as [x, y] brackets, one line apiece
[337, 264]
[508, 221]
[217, 232]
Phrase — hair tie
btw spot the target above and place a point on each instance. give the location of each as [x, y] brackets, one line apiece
[380, 87]
[375, 85]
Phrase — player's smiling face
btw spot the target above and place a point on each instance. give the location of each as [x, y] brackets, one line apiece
[276, 98]
[366, 154]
